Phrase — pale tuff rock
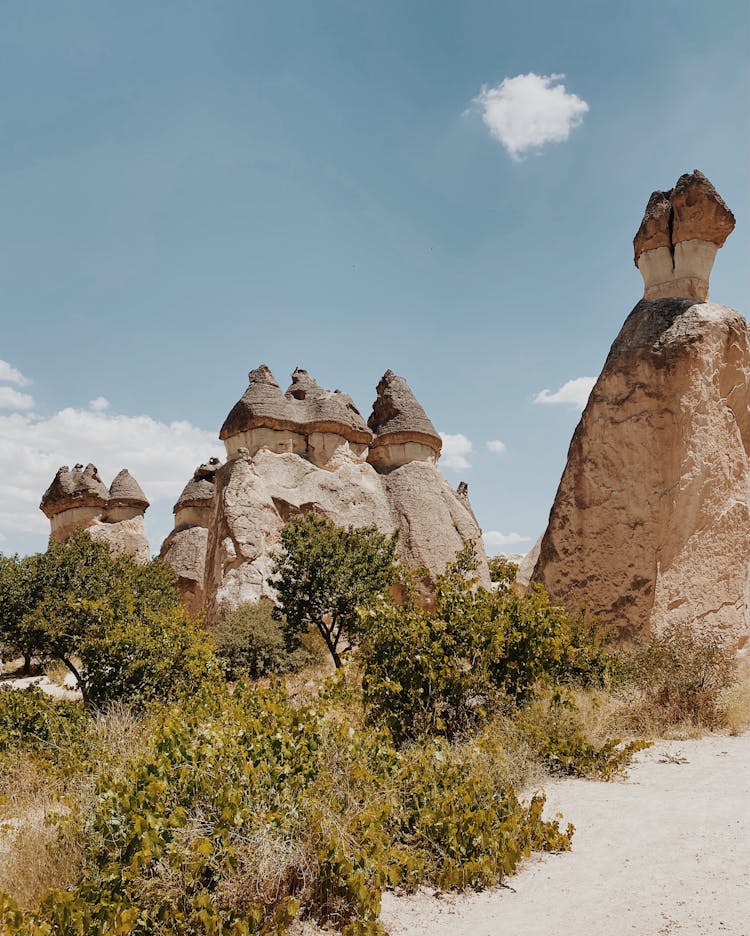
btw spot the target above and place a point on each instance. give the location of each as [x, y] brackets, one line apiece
[650, 526]
[184, 550]
[526, 565]
[402, 431]
[680, 233]
[256, 496]
[77, 499]
[277, 445]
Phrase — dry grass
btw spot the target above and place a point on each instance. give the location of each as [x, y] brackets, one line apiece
[35, 851]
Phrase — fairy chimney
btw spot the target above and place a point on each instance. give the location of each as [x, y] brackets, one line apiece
[650, 526]
[126, 499]
[402, 431]
[308, 420]
[76, 499]
[681, 231]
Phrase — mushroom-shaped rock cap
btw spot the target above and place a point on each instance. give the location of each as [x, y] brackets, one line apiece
[305, 408]
[398, 417]
[692, 210]
[199, 490]
[76, 487]
[126, 492]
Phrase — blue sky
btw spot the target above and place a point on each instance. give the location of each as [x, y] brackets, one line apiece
[190, 189]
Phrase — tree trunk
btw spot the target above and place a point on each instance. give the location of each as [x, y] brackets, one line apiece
[79, 680]
[26, 671]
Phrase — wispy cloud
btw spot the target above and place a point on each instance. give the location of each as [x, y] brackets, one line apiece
[455, 449]
[525, 112]
[99, 404]
[15, 400]
[496, 538]
[496, 446]
[10, 374]
[160, 455]
[574, 392]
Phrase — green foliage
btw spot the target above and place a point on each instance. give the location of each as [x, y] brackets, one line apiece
[554, 729]
[21, 589]
[502, 571]
[324, 574]
[250, 641]
[155, 655]
[682, 674]
[31, 720]
[243, 810]
[80, 604]
[439, 671]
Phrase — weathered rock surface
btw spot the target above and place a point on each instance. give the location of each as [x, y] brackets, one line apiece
[77, 499]
[402, 431]
[123, 537]
[680, 233]
[650, 525]
[184, 550]
[255, 496]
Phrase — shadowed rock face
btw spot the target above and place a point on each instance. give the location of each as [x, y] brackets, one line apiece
[650, 525]
[680, 233]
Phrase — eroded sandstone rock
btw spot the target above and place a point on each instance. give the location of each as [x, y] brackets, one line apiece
[650, 525]
[78, 500]
[680, 233]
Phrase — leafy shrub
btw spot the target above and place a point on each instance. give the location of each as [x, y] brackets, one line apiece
[242, 810]
[554, 729]
[250, 641]
[503, 572]
[157, 655]
[30, 719]
[682, 674]
[441, 671]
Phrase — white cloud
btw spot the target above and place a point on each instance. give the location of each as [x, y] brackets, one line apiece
[10, 374]
[496, 446]
[161, 456]
[99, 404]
[496, 538]
[574, 392]
[455, 449]
[527, 111]
[14, 400]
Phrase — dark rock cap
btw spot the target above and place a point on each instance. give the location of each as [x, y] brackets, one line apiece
[398, 417]
[692, 210]
[76, 487]
[199, 490]
[126, 492]
[305, 408]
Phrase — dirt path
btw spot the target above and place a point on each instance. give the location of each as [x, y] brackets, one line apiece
[666, 852]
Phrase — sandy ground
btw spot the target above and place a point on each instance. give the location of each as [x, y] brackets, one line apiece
[665, 852]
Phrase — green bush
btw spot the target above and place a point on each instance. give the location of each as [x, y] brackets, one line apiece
[440, 671]
[157, 655]
[32, 720]
[250, 641]
[503, 572]
[243, 810]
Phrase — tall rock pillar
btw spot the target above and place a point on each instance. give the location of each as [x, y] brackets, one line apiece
[651, 524]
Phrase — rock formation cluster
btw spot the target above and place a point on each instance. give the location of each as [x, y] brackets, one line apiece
[651, 524]
[78, 499]
[306, 449]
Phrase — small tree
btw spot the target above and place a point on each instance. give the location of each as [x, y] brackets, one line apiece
[21, 589]
[324, 574]
[78, 602]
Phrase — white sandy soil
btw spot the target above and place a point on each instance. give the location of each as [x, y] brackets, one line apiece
[665, 852]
